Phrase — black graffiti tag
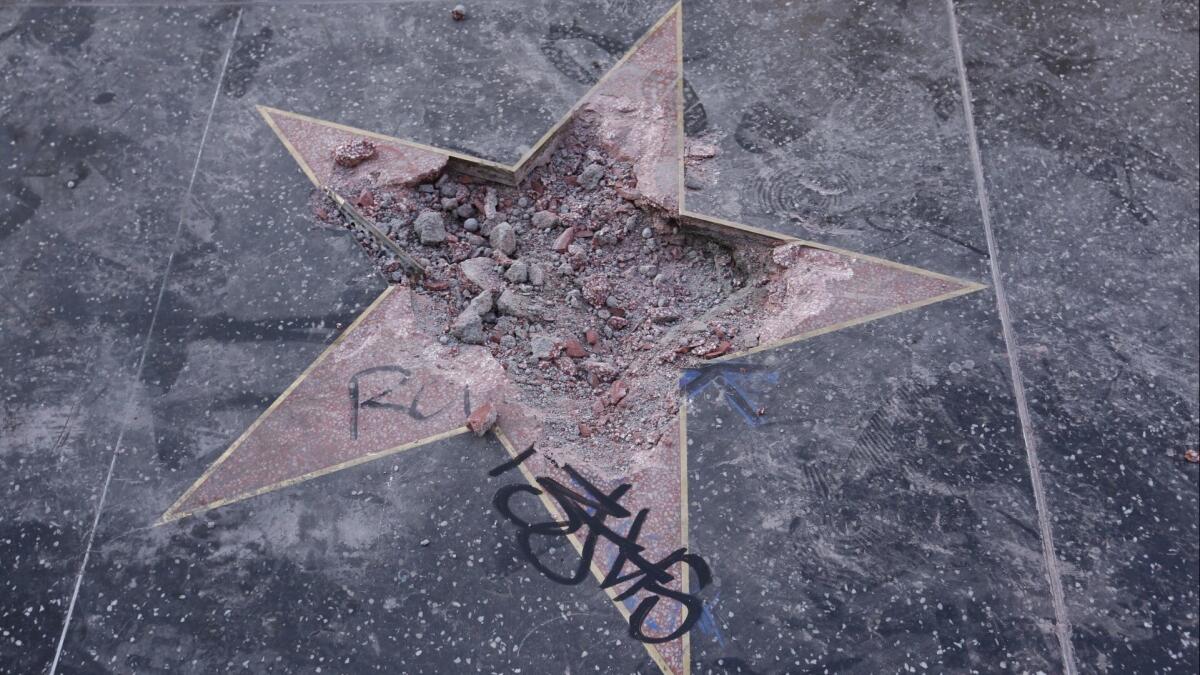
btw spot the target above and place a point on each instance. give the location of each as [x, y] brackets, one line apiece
[412, 409]
[590, 511]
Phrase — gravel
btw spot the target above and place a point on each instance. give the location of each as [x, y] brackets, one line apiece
[576, 312]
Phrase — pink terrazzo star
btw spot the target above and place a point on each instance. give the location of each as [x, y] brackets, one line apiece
[387, 384]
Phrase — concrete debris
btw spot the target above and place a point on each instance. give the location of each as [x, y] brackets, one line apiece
[698, 150]
[588, 294]
[515, 304]
[537, 275]
[517, 272]
[353, 153]
[489, 204]
[543, 347]
[574, 349]
[481, 273]
[563, 241]
[468, 327]
[596, 289]
[430, 227]
[602, 371]
[481, 304]
[545, 220]
[504, 239]
[720, 350]
[590, 177]
[617, 392]
[366, 199]
[482, 419]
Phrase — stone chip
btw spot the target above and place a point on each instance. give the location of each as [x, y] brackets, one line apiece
[481, 273]
[504, 239]
[545, 220]
[468, 327]
[518, 272]
[430, 228]
[515, 304]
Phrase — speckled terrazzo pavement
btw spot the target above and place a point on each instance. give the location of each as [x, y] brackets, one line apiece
[880, 517]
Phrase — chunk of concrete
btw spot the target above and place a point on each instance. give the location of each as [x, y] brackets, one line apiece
[431, 228]
[481, 304]
[481, 273]
[518, 272]
[545, 220]
[515, 304]
[468, 327]
[504, 239]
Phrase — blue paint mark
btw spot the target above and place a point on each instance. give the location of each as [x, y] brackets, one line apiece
[708, 621]
[739, 383]
[655, 627]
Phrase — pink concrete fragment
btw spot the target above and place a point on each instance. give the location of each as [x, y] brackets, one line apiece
[353, 153]
[820, 288]
[314, 144]
[635, 107]
[482, 419]
[564, 240]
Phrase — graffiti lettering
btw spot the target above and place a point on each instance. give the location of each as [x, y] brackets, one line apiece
[377, 400]
[590, 510]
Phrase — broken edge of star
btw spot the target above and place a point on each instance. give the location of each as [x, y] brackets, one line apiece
[508, 174]
[512, 174]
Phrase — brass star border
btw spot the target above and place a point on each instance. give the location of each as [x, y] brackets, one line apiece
[669, 658]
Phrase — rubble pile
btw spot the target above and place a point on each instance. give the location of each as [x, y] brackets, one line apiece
[590, 297]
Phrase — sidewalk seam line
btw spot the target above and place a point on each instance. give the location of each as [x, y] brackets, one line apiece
[129, 403]
[1062, 628]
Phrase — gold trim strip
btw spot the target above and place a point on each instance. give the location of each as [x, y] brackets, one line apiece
[363, 459]
[168, 515]
[570, 114]
[555, 512]
[685, 578]
[680, 150]
[680, 140]
[866, 318]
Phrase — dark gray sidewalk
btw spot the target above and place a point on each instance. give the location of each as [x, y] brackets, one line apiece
[995, 483]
